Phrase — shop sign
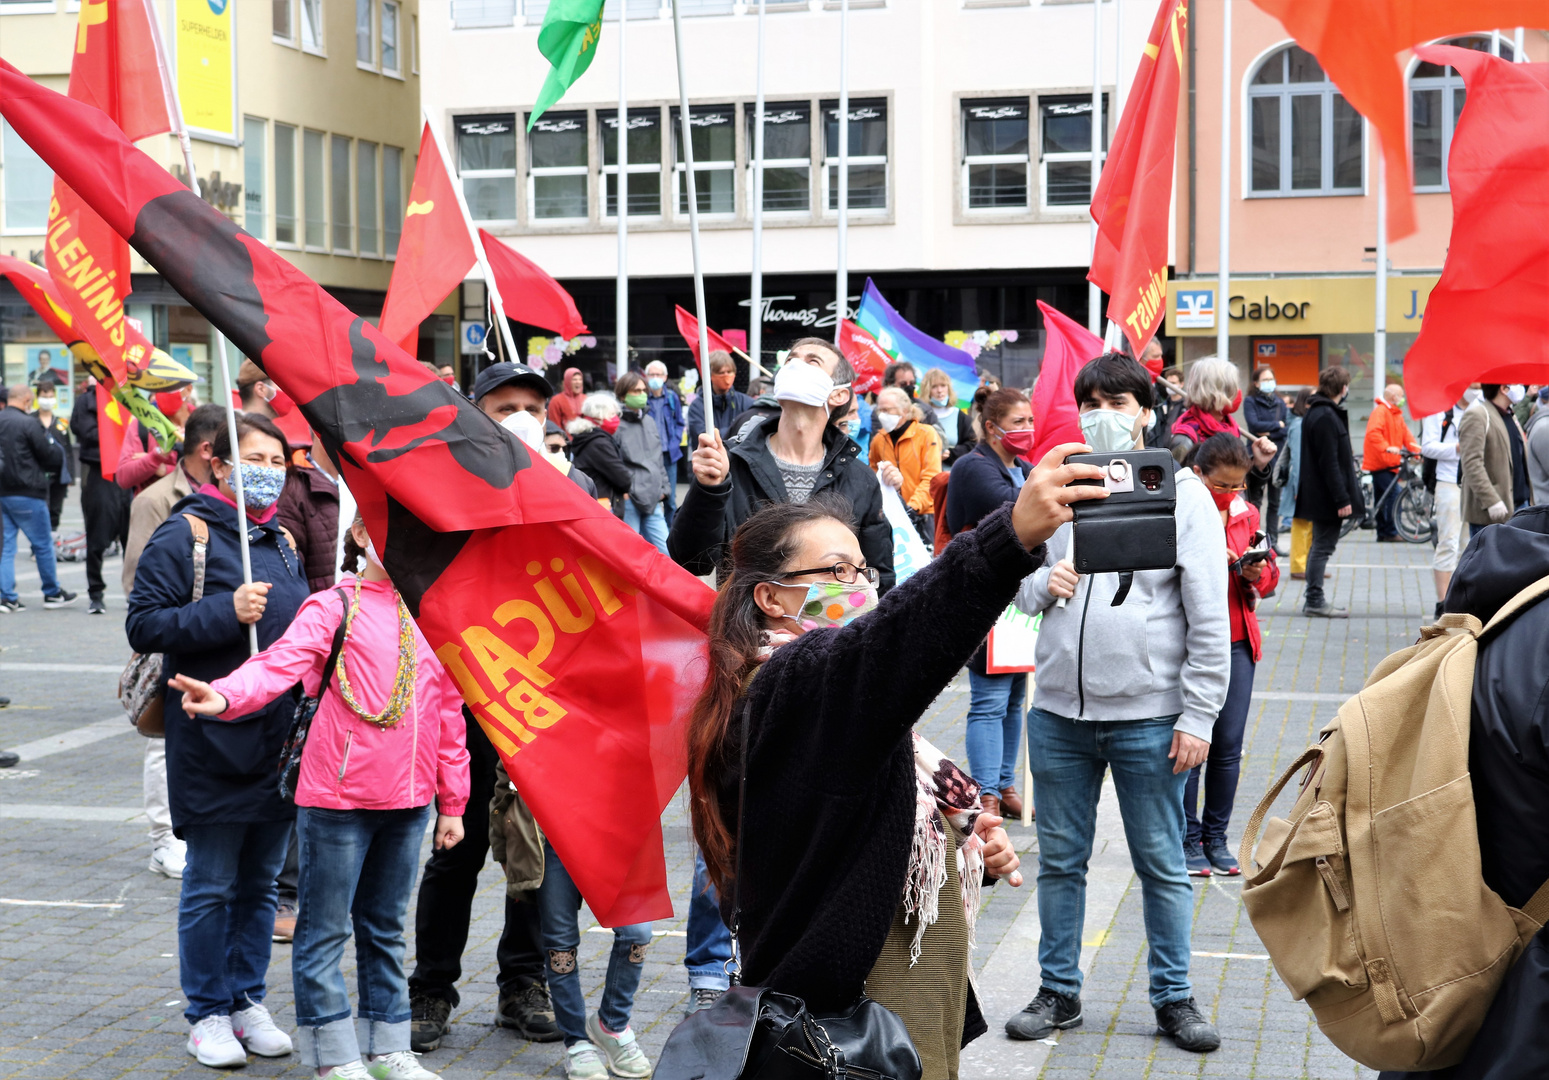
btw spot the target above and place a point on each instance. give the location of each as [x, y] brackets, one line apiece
[1299, 305]
[1196, 309]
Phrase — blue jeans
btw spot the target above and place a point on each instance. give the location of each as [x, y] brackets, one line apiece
[559, 902]
[994, 729]
[30, 517]
[652, 526]
[1382, 480]
[1069, 758]
[670, 507]
[709, 942]
[225, 915]
[1221, 768]
[355, 865]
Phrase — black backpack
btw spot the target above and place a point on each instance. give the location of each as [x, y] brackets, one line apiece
[1428, 466]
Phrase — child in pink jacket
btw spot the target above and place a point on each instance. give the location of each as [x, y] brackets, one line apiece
[387, 738]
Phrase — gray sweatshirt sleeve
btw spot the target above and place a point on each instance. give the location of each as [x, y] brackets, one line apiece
[1207, 624]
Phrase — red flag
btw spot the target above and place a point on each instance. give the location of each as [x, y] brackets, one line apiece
[1134, 193]
[868, 358]
[112, 426]
[1358, 42]
[435, 251]
[1485, 320]
[578, 646]
[688, 326]
[528, 293]
[1067, 347]
[40, 292]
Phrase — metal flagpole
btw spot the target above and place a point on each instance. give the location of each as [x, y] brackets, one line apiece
[175, 115]
[842, 268]
[705, 389]
[1094, 295]
[621, 302]
[1224, 259]
[1380, 334]
[756, 292]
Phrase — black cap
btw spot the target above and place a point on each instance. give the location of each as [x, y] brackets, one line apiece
[551, 428]
[509, 374]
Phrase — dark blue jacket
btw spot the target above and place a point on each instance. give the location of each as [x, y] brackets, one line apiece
[218, 771]
[667, 411]
[728, 407]
[1266, 414]
[980, 485]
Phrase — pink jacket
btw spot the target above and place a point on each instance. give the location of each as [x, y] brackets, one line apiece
[350, 763]
[136, 467]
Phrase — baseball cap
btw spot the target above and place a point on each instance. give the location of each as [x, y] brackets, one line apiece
[510, 374]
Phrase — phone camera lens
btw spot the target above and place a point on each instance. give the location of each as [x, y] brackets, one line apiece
[1151, 478]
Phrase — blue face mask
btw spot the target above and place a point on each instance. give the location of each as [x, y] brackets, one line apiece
[261, 485]
[656, 384]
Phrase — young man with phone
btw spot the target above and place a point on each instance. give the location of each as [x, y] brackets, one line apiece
[1134, 687]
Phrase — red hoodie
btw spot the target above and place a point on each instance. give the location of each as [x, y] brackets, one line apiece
[565, 406]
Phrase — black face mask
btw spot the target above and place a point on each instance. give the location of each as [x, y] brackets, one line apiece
[908, 388]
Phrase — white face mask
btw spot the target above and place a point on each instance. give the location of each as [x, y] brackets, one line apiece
[527, 427]
[1514, 392]
[1472, 394]
[1108, 430]
[1267, 386]
[887, 421]
[45, 404]
[803, 383]
[371, 556]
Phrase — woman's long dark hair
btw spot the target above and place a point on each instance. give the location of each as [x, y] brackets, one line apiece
[760, 550]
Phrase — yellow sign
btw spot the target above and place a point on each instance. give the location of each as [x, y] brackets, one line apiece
[1297, 305]
[206, 77]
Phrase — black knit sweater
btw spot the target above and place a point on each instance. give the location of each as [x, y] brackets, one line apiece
[831, 786]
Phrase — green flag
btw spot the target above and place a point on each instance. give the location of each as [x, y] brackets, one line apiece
[569, 41]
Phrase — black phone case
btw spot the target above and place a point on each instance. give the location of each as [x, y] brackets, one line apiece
[1129, 530]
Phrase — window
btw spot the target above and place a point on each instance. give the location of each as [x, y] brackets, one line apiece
[284, 184]
[467, 14]
[392, 198]
[1306, 138]
[787, 155]
[364, 52]
[390, 38]
[644, 162]
[414, 43]
[339, 192]
[312, 189]
[995, 154]
[714, 131]
[365, 196]
[312, 25]
[556, 174]
[1436, 98]
[705, 7]
[28, 184]
[1065, 154]
[282, 21]
[486, 161]
[535, 10]
[254, 136]
[868, 155]
[638, 9]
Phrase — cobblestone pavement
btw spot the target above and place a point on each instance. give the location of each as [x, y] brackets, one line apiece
[88, 971]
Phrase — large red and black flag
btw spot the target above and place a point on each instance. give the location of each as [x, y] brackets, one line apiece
[577, 645]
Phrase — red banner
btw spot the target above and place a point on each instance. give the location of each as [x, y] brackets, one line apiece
[577, 644]
[1067, 348]
[688, 326]
[1134, 193]
[527, 291]
[868, 358]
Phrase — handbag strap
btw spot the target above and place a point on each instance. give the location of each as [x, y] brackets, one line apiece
[201, 533]
[338, 644]
[742, 799]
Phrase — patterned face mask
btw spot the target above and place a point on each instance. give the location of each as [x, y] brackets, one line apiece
[261, 485]
[834, 603]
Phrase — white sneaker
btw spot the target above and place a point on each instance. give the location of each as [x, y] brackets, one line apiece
[583, 1063]
[350, 1070]
[399, 1065]
[625, 1058]
[212, 1043]
[169, 860]
[256, 1030]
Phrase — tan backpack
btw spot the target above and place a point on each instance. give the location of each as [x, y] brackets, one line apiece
[1370, 898]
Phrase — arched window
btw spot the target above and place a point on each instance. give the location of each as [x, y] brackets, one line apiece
[1436, 99]
[1306, 138]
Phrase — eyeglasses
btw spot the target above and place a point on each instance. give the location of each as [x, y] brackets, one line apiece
[848, 573]
[1224, 488]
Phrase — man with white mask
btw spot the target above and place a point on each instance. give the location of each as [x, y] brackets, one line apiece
[530, 430]
[785, 458]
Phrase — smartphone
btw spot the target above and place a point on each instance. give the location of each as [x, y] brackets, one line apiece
[1134, 528]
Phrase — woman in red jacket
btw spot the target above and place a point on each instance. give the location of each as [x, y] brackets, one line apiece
[1223, 462]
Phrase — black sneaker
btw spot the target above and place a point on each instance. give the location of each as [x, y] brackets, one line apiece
[1194, 856]
[1182, 1022]
[529, 1012]
[62, 598]
[96, 606]
[429, 1017]
[4, 701]
[1221, 858]
[701, 998]
[11, 607]
[1326, 611]
[9, 758]
[1047, 1013]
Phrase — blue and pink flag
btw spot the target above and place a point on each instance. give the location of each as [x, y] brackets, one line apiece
[902, 341]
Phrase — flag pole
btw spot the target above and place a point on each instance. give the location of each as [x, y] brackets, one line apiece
[756, 292]
[1094, 295]
[1380, 333]
[621, 301]
[706, 390]
[1224, 258]
[842, 268]
[175, 115]
[473, 235]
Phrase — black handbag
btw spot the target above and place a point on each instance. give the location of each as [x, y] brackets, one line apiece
[306, 709]
[754, 1033]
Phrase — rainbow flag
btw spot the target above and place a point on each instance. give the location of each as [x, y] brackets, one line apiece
[902, 341]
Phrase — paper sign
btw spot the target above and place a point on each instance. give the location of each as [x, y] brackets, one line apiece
[909, 551]
[1012, 642]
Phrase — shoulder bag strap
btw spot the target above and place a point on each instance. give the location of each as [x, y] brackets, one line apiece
[736, 896]
[338, 644]
[201, 533]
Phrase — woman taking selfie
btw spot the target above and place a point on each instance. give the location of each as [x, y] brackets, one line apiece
[851, 821]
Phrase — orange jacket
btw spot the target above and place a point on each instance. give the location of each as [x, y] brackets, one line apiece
[917, 455]
[1386, 428]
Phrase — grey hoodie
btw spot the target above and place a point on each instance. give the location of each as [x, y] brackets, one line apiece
[1536, 450]
[1165, 651]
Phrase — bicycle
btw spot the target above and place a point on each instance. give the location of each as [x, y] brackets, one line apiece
[1414, 508]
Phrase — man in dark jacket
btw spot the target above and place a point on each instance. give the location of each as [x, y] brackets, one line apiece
[1329, 490]
[785, 459]
[29, 457]
[1263, 413]
[727, 401]
[104, 504]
